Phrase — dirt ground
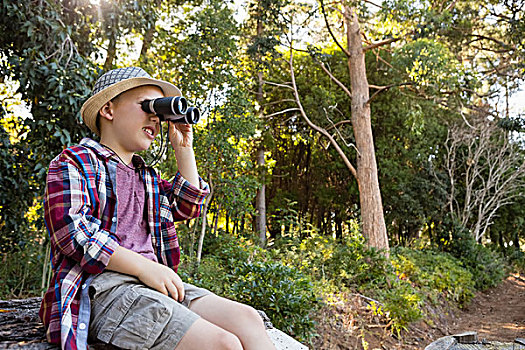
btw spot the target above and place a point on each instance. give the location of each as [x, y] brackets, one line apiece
[496, 314]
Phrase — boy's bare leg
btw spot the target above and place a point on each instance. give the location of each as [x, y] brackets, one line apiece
[234, 317]
[205, 335]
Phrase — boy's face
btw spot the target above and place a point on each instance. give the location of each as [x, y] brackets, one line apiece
[127, 126]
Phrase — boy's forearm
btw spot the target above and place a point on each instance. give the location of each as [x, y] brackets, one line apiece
[126, 261]
[187, 165]
[157, 276]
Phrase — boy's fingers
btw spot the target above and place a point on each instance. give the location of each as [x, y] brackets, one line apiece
[180, 288]
[173, 292]
[163, 289]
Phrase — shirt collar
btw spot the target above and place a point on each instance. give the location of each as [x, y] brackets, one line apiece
[106, 153]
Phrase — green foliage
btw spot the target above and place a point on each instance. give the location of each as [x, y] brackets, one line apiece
[347, 263]
[350, 264]
[12, 156]
[283, 292]
[516, 259]
[434, 273]
[21, 270]
[487, 267]
[236, 268]
[402, 303]
[38, 52]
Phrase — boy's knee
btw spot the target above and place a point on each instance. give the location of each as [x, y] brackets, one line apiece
[228, 341]
[249, 315]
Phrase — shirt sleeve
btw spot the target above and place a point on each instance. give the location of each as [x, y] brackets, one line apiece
[185, 199]
[74, 230]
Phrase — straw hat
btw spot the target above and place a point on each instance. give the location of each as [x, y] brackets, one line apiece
[115, 82]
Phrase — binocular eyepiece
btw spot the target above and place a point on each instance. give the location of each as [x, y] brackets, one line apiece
[174, 109]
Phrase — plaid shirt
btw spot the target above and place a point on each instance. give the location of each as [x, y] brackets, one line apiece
[81, 216]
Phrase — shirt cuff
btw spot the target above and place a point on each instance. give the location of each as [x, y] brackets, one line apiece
[183, 189]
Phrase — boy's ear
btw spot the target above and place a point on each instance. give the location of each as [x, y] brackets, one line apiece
[107, 111]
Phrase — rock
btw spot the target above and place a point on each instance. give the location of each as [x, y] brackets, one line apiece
[469, 341]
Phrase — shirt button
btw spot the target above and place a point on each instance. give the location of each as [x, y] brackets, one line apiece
[114, 219]
[84, 286]
[82, 326]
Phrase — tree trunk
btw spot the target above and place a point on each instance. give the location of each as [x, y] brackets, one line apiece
[112, 51]
[216, 220]
[261, 201]
[203, 228]
[374, 227]
[146, 43]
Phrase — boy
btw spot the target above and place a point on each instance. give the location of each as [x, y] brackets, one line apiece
[115, 249]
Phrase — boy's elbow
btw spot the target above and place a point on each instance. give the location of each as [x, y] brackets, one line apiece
[187, 212]
[93, 254]
[92, 266]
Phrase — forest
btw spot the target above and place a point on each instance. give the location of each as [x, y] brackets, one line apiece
[366, 159]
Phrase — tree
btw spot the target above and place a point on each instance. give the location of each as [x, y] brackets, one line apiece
[41, 51]
[372, 216]
[265, 18]
[206, 64]
[486, 171]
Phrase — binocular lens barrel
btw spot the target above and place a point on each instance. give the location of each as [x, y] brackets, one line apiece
[174, 109]
[191, 116]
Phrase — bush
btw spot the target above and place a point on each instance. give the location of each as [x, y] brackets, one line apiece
[516, 259]
[345, 263]
[434, 272]
[284, 293]
[210, 274]
[487, 267]
[403, 303]
[234, 267]
[21, 271]
[22, 264]
[350, 264]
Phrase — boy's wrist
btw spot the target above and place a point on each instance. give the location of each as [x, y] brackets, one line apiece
[180, 150]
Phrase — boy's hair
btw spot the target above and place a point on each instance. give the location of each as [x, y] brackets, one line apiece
[112, 84]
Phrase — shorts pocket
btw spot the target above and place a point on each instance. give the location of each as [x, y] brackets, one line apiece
[133, 321]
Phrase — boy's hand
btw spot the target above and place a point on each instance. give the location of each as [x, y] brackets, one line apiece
[154, 275]
[163, 279]
[180, 135]
[181, 138]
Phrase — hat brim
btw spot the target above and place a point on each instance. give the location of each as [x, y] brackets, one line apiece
[92, 106]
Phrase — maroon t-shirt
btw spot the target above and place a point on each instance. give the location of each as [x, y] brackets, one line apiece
[132, 225]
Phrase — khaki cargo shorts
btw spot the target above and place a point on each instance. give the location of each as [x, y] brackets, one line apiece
[130, 315]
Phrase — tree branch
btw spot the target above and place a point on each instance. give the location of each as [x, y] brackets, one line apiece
[281, 112]
[346, 52]
[384, 88]
[381, 43]
[339, 123]
[315, 127]
[339, 83]
[277, 84]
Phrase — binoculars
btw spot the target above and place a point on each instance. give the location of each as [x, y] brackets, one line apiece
[174, 109]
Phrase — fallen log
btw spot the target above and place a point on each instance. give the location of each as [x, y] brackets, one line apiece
[20, 325]
[21, 328]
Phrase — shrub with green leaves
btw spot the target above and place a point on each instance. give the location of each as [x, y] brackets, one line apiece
[434, 272]
[347, 263]
[402, 302]
[487, 267]
[284, 293]
[236, 268]
[516, 258]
